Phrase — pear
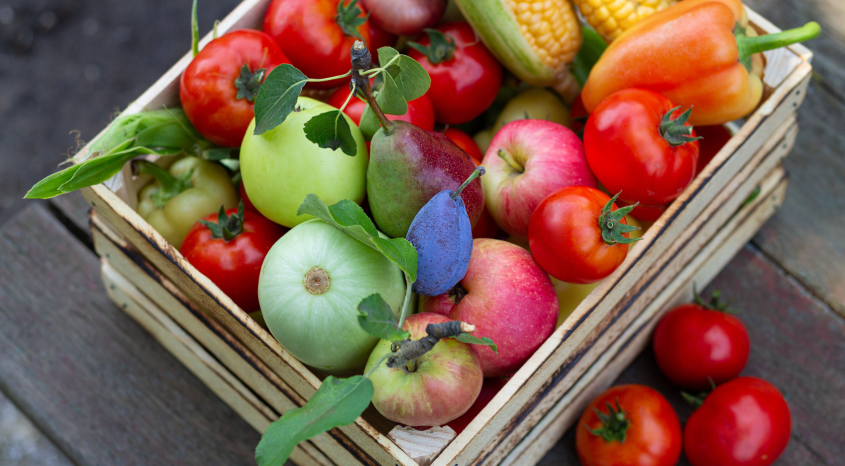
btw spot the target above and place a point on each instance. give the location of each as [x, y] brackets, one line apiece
[442, 234]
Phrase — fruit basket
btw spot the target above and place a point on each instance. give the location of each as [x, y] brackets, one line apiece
[244, 365]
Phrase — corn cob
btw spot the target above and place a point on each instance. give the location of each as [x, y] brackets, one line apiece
[535, 39]
[610, 18]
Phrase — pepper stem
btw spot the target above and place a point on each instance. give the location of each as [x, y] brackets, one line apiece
[479, 171]
[170, 185]
[611, 224]
[361, 60]
[614, 424]
[748, 46]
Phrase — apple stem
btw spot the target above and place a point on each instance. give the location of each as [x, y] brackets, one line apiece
[361, 60]
[479, 171]
[412, 365]
[510, 161]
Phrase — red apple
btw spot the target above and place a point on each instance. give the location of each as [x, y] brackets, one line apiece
[526, 161]
[508, 297]
[442, 386]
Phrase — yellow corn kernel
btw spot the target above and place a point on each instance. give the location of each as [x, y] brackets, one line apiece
[610, 18]
[551, 27]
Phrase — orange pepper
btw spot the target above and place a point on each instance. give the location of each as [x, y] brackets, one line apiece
[698, 53]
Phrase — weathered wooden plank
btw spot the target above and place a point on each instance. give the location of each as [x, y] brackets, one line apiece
[804, 238]
[90, 378]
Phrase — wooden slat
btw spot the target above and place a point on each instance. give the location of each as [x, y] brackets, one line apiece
[213, 337]
[96, 383]
[634, 337]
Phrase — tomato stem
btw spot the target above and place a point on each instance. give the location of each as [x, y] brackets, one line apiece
[715, 303]
[675, 131]
[227, 227]
[610, 223]
[441, 47]
[170, 185]
[614, 424]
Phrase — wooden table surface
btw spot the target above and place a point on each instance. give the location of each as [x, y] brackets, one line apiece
[104, 392]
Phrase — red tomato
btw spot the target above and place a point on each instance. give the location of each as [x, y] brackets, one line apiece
[420, 112]
[745, 422]
[233, 265]
[463, 86]
[713, 139]
[208, 87]
[627, 151]
[465, 142]
[694, 343]
[565, 236]
[309, 33]
[647, 433]
[245, 199]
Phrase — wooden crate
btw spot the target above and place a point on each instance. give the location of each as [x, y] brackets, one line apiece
[252, 372]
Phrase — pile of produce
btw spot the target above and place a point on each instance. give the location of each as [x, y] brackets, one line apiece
[321, 172]
[742, 421]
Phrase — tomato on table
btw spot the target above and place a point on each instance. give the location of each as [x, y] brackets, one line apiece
[420, 112]
[465, 76]
[318, 35]
[745, 422]
[465, 142]
[699, 342]
[229, 248]
[578, 235]
[219, 86]
[640, 145]
[629, 425]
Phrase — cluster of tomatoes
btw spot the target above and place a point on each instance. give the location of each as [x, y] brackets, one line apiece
[743, 421]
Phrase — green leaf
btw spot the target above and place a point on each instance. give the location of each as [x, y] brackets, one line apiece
[276, 98]
[338, 402]
[592, 47]
[389, 98]
[467, 338]
[49, 187]
[413, 81]
[330, 130]
[349, 218]
[369, 124]
[377, 319]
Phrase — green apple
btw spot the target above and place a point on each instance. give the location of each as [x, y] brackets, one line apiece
[534, 103]
[311, 283]
[281, 166]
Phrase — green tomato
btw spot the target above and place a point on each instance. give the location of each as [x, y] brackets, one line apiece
[311, 283]
[281, 166]
[535, 103]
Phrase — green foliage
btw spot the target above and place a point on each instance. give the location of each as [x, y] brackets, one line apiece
[377, 319]
[277, 96]
[487, 341]
[338, 402]
[330, 130]
[592, 48]
[349, 218]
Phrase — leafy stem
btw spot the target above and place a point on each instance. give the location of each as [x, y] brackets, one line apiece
[361, 60]
[406, 305]
[377, 364]
[195, 31]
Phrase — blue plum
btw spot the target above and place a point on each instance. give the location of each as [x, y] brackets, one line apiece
[442, 233]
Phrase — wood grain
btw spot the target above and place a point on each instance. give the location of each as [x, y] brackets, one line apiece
[805, 236]
[90, 378]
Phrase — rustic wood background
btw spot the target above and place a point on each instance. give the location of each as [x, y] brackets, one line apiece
[84, 375]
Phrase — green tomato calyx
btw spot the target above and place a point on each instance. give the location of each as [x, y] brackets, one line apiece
[349, 18]
[441, 47]
[228, 227]
[614, 424]
[674, 131]
[611, 224]
[317, 281]
[249, 82]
